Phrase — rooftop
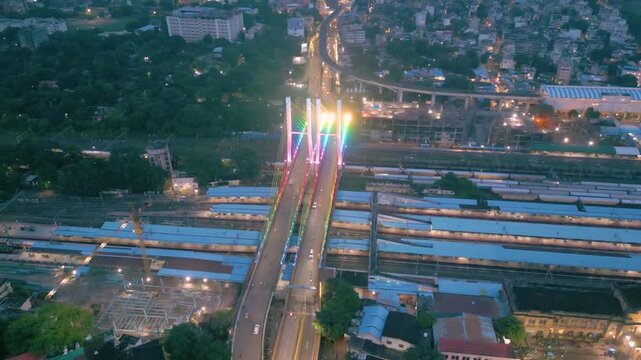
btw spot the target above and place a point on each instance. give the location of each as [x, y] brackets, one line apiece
[402, 326]
[553, 298]
[513, 254]
[477, 305]
[204, 12]
[475, 348]
[464, 327]
[373, 321]
[632, 294]
[589, 92]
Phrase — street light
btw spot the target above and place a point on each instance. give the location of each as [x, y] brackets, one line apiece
[566, 140]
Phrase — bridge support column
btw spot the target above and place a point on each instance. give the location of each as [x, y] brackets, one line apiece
[399, 96]
[499, 105]
[434, 100]
[380, 89]
[527, 107]
[288, 130]
[339, 132]
[308, 131]
[360, 87]
[467, 102]
[319, 129]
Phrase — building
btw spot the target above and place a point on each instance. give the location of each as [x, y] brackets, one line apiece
[32, 37]
[564, 71]
[51, 25]
[5, 288]
[461, 349]
[605, 99]
[353, 34]
[296, 26]
[193, 23]
[464, 326]
[159, 155]
[13, 6]
[394, 330]
[251, 33]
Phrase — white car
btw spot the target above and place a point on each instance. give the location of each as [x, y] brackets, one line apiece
[314, 205]
[311, 254]
[256, 329]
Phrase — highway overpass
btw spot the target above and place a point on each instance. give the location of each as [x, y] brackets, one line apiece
[524, 97]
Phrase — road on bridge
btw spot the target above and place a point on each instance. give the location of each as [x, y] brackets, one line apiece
[247, 342]
[297, 338]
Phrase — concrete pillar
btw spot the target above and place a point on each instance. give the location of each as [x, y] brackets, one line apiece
[339, 130]
[434, 100]
[380, 89]
[399, 95]
[319, 129]
[288, 129]
[527, 107]
[308, 131]
[360, 87]
[499, 105]
[467, 102]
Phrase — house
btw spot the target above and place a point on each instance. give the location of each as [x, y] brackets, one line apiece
[401, 331]
[462, 349]
[394, 330]
[464, 327]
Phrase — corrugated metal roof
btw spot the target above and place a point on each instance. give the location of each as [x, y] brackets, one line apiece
[538, 230]
[349, 244]
[373, 321]
[351, 216]
[354, 196]
[499, 253]
[241, 191]
[240, 209]
[164, 233]
[589, 92]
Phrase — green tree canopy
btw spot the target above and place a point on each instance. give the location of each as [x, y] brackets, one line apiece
[205, 341]
[511, 328]
[462, 187]
[340, 303]
[49, 329]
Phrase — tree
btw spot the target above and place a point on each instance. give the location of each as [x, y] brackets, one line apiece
[624, 80]
[425, 319]
[461, 186]
[590, 113]
[511, 328]
[340, 302]
[422, 351]
[457, 82]
[49, 329]
[544, 116]
[573, 114]
[207, 341]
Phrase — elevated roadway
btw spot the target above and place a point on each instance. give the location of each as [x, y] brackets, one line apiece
[527, 97]
[248, 336]
[297, 338]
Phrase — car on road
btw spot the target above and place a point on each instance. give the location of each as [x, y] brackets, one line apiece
[256, 329]
[311, 254]
[314, 205]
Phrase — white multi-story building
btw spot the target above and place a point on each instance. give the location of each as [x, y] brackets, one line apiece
[296, 26]
[193, 23]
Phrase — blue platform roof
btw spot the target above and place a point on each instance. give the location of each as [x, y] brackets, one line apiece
[240, 209]
[242, 192]
[505, 254]
[589, 92]
[514, 228]
[373, 321]
[407, 222]
[164, 233]
[351, 216]
[84, 249]
[348, 244]
[354, 196]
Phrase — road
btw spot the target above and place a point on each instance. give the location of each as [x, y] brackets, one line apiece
[297, 338]
[262, 282]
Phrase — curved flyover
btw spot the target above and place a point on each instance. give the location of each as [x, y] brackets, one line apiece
[527, 97]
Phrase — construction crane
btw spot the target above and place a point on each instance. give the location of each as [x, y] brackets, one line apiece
[134, 217]
[139, 231]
